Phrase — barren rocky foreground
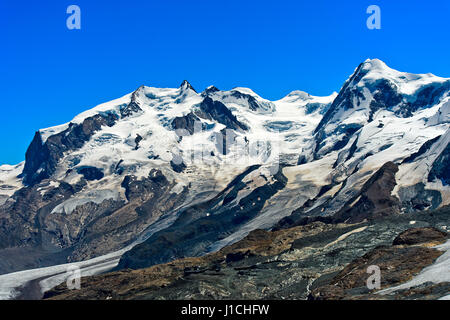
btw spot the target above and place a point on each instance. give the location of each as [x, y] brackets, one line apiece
[312, 261]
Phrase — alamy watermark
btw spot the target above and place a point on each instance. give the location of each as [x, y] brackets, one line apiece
[374, 20]
[73, 22]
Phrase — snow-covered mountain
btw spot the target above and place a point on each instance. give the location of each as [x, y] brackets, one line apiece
[210, 167]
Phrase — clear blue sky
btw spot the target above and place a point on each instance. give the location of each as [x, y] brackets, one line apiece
[48, 73]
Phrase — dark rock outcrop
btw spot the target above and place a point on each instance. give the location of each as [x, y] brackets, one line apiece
[397, 265]
[136, 189]
[425, 97]
[423, 148]
[20, 220]
[187, 123]
[418, 198]
[375, 199]
[224, 140]
[441, 167]
[385, 96]
[346, 131]
[345, 97]
[130, 109]
[185, 85]
[252, 102]
[420, 235]
[137, 140]
[41, 158]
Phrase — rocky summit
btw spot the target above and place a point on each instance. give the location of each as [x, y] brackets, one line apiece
[172, 193]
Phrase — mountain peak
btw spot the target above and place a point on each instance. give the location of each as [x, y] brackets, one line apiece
[374, 64]
[373, 67]
[372, 70]
[185, 85]
[211, 89]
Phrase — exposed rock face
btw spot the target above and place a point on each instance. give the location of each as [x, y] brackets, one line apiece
[127, 172]
[224, 139]
[253, 104]
[131, 108]
[315, 261]
[397, 265]
[91, 173]
[425, 147]
[201, 225]
[385, 95]
[41, 159]
[178, 165]
[209, 90]
[148, 197]
[375, 199]
[345, 97]
[440, 169]
[211, 109]
[427, 96]
[19, 225]
[419, 236]
[145, 188]
[346, 131]
[417, 198]
[89, 230]
[137, 140]
[235, 95]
